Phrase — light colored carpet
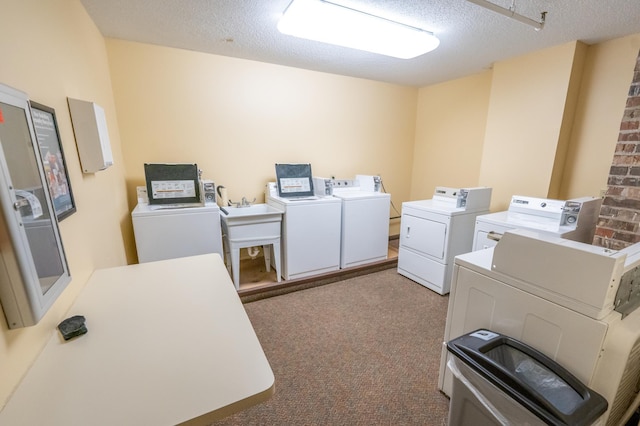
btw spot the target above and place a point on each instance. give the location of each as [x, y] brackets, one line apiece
[364, 351]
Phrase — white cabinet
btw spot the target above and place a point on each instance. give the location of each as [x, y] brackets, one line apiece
[33, 266]
[92, 135]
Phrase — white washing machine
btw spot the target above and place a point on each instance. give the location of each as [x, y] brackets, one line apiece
[573, 219]
[163, 232]
[365, 224]
[574, 302]
[310, 241]
[433, 232]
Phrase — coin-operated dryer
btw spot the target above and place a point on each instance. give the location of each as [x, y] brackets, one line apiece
[434, 231]
[573, 219]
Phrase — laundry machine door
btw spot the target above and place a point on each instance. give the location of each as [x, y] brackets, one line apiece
[425, 234]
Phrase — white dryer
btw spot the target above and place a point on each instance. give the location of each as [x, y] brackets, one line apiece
[573, 219]
[310, 241]
[434, 231]
[365, 223]
[574, 302]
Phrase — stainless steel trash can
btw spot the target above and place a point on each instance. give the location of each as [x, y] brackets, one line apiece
[498, 380]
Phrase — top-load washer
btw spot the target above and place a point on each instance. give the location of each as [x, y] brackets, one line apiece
[573, 219]
[310, 240]
[574, 302]
[365, 220]
[166, 232]
[434, 231]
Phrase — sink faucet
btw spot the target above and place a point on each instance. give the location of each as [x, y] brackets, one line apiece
[245, 202]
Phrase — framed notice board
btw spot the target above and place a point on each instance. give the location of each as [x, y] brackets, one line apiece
[55, 168]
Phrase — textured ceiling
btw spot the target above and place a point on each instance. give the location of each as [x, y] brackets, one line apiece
[471, 38]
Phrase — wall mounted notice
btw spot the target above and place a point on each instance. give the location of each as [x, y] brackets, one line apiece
[165, 189]
[53, 162]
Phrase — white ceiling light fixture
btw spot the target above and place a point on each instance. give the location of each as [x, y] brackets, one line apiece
[511, 13]
[328, 22]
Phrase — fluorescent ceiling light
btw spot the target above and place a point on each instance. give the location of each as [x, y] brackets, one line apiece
[332, 23]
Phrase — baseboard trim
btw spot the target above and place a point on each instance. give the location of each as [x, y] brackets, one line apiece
[283, 287]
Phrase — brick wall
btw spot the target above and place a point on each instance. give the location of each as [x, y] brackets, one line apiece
[619, 221]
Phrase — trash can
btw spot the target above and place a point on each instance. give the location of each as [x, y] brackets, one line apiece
[498, 380]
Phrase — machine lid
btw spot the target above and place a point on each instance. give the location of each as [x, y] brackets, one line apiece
[360, 195]
[435, 206]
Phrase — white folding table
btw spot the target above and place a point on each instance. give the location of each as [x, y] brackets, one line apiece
[168, 343]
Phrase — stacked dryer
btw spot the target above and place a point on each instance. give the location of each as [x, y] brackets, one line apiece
[434, 231]
[573, 219]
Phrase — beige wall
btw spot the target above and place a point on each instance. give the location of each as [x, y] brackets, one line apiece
[51, 50]
[543, 124]
[566, 123]
[605, 85]
[237, 118]
[450, 134]
[526, 110]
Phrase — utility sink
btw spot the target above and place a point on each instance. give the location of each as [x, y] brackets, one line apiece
[250, 212]
[248, 226]
[255, 221]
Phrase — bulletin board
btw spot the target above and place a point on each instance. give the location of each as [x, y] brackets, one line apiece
[52, 155]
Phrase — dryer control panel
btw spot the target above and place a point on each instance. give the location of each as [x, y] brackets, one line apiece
[543, 207]
[323, 187]
[581, 212]
[465, 198]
